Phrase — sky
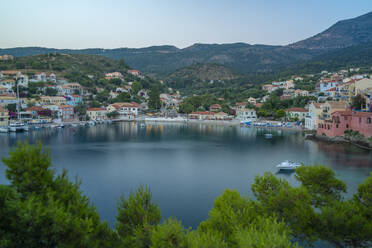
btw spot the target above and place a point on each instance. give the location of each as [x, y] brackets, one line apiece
[77, 24]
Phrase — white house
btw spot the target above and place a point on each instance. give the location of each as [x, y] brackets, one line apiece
[312, 118]
[245, 114]
[324, 86]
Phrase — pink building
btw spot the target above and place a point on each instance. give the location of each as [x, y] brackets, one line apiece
[346, 120]
[66, 112]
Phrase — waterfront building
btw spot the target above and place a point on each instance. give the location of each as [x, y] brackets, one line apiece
[346, 120]
[215, 107]
[312, 117]
[66, 112]
[296, 113]
[245, 114]
[4, 117]
[97, 114]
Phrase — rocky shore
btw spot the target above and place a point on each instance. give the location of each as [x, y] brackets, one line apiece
[359, 142]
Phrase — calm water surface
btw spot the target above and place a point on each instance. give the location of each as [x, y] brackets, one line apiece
[187, 167]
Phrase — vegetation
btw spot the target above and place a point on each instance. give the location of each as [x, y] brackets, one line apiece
[42, 209]
[154, 98]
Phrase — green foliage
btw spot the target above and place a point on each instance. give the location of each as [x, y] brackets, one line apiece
[113, 114]
[136, 217]
[279, 114]
[321, 183]
[12, 107]
[136, 87]
[41, 210]
[154, 98]
[265, 232]
[170, 234]
[186, 108]
[358, 102]
[50, 92]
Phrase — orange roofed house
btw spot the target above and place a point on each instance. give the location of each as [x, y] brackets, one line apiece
[97, 114]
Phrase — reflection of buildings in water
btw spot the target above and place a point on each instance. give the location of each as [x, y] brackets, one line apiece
[345, 155]
[154, 129]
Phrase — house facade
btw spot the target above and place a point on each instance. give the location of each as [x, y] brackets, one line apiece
[4, 117]
[346, 120]
[66, 112]
[296, 113]
[312, 117]
[97, 114]
[246, 114]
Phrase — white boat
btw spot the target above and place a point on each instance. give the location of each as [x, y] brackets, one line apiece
[4, 129]
[91, 123]
[268, 135]
[288, 165]
[18, 127]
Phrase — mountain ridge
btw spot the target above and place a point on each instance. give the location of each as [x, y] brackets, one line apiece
[160, 61]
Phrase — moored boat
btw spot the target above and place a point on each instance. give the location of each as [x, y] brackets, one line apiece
[288, 165]
[4, 129]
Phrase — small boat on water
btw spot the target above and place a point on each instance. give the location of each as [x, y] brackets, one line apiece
[288, 165]
[4, 129]
[18, 127]
[268, 135]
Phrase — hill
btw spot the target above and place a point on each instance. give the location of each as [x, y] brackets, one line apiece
[88, 70]
[160, 61]
[343, 34]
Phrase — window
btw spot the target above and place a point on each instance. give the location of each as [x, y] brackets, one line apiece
[360, 119]
[369, 120]
[347, 125]
[336, 125]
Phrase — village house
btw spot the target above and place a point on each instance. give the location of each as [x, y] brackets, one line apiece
[222, 116]
[4, 90]
[34, 110]
[6, 57]
[4, 117]
[346, 120]
[296, 113]
[69, 89]
[124, 108]
[73, 100]
[134, 72]
[97, 114]
[245, 114]
[240, 105]
[332, 106]
[362, 85]
[202, 115]
[66, 112]
[252, 100]
[215, 107]
[114, 75]
[312, 118]
[52, 100]
[8, 83]
[301, 93]
[11, 74]
[326, 85]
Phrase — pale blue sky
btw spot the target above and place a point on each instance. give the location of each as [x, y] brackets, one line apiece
[140, 23]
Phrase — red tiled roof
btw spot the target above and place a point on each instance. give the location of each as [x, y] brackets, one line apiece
[96, 109]
[296, 110]
[202, 113]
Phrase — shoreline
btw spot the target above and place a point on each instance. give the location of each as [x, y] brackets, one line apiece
[340, 140]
